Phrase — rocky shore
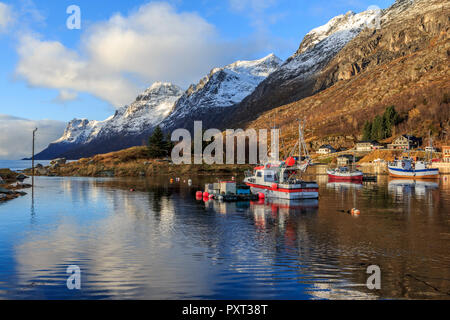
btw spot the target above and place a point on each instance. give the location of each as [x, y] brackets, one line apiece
[11, 185]
[133, 162]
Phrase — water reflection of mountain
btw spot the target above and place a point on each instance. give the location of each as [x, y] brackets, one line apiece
[159, 242]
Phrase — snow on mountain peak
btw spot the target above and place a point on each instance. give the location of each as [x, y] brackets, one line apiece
[227, 86]
[324, 42]
[346, 25]
[150, 109]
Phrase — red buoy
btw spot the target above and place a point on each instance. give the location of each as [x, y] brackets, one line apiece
[261, 195]
[205, 194]
[199, 194]
[290, 161]
[275, 186]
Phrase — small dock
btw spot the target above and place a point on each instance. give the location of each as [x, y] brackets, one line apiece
[228, 191]
[370, 178]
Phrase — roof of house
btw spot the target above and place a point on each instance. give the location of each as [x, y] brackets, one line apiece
[326, 146]
[411, 138]
[372, 142]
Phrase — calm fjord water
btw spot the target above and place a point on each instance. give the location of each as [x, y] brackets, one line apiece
[160, 243]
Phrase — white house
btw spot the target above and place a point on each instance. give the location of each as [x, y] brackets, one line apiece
[326, 149]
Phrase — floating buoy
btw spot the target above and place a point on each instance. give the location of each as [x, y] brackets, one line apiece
[171, 181]
[275, 186]
[355, 212]
[211, 196]
[206, 194]
[261, 195]
[198, 198]
[199, 194]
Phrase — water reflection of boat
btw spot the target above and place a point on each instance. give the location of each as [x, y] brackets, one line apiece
[413, 183]
[405, 186]
[293, 204]
[344, 185]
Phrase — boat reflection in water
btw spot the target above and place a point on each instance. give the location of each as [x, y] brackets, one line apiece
[344, 185]
[408, 187]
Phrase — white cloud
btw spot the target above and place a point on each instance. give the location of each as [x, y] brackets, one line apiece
[6, 16]
[65, 96]
[16, 133]
[153, 43]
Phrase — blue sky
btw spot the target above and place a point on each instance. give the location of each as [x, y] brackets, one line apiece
[48, 72]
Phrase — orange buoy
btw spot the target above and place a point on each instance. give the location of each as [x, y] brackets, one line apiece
[275, 186]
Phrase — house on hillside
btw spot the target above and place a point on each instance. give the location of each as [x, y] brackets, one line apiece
[446, 153]
[344, 160]
[402, 142]
[367, 146]
[326, 149]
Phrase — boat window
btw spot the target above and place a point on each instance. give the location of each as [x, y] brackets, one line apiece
[259, 174]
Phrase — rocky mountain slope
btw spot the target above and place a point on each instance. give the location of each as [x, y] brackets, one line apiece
[405, 63]
[297, 77]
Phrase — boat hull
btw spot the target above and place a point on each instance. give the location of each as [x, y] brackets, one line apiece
[336, 178]
[289, 194]
[414, 174]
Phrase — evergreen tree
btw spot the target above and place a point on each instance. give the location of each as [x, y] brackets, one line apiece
[378, 128]
[367, 131]
[157, 146]
[169, 144]
[391, 119]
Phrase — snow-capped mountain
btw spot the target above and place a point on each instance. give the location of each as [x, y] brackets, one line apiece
[221, 88]
[148, 110]
[295, 79]
[166, 105]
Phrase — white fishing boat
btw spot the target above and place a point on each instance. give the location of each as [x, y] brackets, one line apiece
[409, 168]
[283, 179]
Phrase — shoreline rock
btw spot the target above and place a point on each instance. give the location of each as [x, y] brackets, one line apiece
[10, 185]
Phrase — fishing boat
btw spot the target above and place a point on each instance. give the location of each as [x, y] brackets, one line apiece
[409, 168]
[283, 179]
[344, 174]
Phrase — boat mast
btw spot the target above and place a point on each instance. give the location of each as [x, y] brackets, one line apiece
[300, 135]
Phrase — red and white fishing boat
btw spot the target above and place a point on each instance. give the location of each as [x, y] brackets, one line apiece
[344, 174]
[282, 179]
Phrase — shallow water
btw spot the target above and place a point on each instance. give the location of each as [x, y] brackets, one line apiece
[161, 243]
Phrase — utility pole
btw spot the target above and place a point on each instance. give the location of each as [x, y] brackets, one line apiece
[32, 157]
